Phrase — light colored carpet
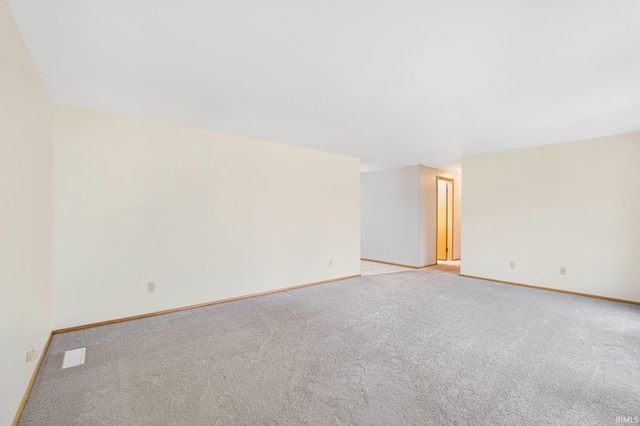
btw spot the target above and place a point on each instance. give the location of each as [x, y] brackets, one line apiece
[376, 268]
[412, 348]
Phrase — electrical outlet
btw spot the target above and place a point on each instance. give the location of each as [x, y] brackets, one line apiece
[151, 287]
[563, 270]
[388, 249]
[513, 265]
[32, 356]
[330, 262]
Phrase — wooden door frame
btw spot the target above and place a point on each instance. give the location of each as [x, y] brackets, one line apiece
[450, 252]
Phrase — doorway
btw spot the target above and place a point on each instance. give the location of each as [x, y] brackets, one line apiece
[444, 218]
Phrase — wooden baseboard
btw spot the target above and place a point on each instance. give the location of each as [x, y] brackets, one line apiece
[575, 293]
[399, 264]
[16, 418]
[200, 305]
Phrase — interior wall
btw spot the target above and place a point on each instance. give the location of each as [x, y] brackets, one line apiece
[25, 214]
[205, 216]
[573, 205]
[428, 214]
[390, 215]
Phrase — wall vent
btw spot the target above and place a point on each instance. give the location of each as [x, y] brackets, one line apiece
[74, 357]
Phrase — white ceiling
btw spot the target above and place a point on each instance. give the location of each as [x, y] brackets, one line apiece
[395, 82]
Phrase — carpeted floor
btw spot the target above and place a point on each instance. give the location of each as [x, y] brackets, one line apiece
[424, 347]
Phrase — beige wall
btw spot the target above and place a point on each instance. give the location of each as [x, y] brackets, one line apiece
[573, 205]
[399, 213]
[204, 215]
[428, 213]
[25, 214]
[390, 214]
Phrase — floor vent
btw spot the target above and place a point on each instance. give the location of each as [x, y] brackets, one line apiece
[74, 357]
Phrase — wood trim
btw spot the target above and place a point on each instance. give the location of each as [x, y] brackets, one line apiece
[27, 391]
[575, 293]
[200, 305]
[399, 264]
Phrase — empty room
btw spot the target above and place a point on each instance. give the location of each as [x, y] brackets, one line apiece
[319, 213]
